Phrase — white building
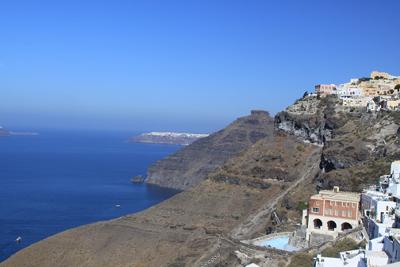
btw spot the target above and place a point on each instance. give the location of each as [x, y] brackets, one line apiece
[353, 258]
[347, 90]
[378, 211]
[372, 106]
[378, 206]
[356, 101]
[379, 252]
[395, 169]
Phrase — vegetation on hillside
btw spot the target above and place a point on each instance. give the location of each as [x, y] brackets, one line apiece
[301, 260]
[339, 246]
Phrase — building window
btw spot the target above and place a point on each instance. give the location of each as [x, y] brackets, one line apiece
[343, 204]
[315, 210]
[353, 205]
[349, 213]
[343, 213]
[336, 212]
[328, 211]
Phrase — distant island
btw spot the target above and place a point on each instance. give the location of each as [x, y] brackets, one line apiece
[5, 132]
[167, 138]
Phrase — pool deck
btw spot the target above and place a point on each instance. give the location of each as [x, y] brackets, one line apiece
[266, 237]
[260, 241]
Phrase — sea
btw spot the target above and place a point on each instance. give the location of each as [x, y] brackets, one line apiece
[58, 180]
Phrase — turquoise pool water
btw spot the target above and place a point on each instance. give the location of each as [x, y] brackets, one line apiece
[279, 242]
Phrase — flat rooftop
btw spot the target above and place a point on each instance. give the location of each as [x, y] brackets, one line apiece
[341, 195]
[377, 195]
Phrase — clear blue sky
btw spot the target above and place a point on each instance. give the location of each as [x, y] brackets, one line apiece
[181, 65]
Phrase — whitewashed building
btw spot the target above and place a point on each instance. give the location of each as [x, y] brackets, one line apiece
[379, 252]
[347, 90]
[378, 210]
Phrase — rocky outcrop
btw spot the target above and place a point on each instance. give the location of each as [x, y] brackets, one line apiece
[137, 179]
[310, 118]
[191, 164]
[361, 150]
[356, 143]
[235, 179]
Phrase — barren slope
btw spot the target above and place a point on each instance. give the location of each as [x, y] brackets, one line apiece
[181, 230]
[191, 164]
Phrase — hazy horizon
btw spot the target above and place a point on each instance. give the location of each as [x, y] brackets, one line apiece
[180, 65]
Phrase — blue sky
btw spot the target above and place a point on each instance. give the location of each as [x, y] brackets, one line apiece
[181, 65]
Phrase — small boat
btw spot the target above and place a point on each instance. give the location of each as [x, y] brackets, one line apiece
[118, 205]
[18, 240]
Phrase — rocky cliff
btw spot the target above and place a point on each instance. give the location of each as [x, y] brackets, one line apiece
[358, 146]
[191, 164]
[316, 143]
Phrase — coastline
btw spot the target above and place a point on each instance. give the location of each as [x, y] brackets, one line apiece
[102, 221]
[184, 227]
[58, 181]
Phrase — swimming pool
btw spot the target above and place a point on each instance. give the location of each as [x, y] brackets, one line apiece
[279, 242]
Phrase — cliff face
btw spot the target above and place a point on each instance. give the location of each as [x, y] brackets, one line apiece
[257, 170]
[357, 146]
[190, 165]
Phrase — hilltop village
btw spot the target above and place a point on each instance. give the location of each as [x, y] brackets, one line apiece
[370, 218]
[380, 91]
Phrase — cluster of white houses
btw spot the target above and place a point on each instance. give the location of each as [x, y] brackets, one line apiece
[380, 91]
[377, 209]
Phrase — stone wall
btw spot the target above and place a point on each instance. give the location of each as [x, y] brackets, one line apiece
[318, 239]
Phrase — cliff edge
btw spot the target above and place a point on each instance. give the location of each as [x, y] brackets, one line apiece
[190, 165]
[314, 143]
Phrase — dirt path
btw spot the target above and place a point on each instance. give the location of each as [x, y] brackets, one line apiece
[256, 220]
[248, 227]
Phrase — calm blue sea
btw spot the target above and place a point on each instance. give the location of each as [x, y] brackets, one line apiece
[59, 180]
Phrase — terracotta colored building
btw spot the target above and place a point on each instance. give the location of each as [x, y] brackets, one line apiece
[332, 212]
[325, 89]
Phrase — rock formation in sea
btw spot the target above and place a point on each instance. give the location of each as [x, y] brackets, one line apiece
[137, 179]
